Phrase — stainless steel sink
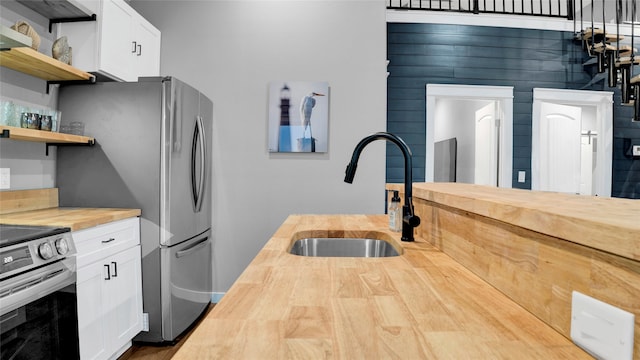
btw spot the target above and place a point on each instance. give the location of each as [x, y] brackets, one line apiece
[343, 247]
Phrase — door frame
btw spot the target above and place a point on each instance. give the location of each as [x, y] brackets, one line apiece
[502, 94]
[603, 102]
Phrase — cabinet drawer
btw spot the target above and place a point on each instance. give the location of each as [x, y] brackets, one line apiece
[105, 240]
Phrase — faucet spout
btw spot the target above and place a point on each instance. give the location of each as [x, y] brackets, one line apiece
[410, 220]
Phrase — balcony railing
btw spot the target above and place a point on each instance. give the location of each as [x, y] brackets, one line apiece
[549, 8]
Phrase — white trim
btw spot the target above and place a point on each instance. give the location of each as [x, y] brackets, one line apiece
[493, 20]
[503, 94]
[603, 101]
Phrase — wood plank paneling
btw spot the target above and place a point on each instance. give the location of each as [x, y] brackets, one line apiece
[476, 55]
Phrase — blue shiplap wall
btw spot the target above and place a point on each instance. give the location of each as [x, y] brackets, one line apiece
[473, 55]
[626, 169]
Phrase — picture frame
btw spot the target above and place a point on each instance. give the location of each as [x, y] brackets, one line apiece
[298, 120]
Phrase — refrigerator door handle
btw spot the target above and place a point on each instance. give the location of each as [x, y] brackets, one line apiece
[193, 248]
[198, 189]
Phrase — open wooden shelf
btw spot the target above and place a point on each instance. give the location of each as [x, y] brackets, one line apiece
[29, 61]
[54, 138]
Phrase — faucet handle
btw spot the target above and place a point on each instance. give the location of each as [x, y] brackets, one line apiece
[412, 220]
[409, 216]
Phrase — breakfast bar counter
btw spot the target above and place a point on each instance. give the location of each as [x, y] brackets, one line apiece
[420, 304]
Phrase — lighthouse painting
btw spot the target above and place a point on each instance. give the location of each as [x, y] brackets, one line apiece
[298, 116]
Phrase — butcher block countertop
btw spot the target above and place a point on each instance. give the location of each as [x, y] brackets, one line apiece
[419, 305]
[74, 218]
[607, 224]
[40, 207]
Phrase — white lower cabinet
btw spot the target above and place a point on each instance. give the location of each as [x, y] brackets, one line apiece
[109, 288]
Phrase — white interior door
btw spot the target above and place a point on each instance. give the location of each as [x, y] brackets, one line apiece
[560, 148]
[597, 118]
[486, 152]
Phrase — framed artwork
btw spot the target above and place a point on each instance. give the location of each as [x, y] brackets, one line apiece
[298, 116]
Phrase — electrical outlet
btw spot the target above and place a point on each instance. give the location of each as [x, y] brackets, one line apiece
[636, 150]
[5, 178]
[521, 176]
[601, 329]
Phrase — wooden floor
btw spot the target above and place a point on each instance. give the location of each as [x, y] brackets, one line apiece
[153, 352]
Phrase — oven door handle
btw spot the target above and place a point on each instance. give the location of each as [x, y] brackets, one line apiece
[33, 285]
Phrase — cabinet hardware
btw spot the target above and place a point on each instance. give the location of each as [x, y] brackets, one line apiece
[134, 47]
[108, 241]
[193, 248]
[115, 269]
[108, 276]
[139, 49]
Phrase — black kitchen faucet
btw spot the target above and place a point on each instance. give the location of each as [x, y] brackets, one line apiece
[409, 219]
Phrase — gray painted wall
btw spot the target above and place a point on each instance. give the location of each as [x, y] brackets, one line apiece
[30, 167]
[231, 50]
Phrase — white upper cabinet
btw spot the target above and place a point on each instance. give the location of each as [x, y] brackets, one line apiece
[147, 51]
[116, 40]
[121, 44]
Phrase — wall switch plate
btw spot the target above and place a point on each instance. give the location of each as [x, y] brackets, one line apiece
[5, 178]
[602, 330]
[521, 176]
[636, 150]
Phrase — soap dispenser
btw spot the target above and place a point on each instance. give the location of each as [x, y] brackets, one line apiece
[395, 213]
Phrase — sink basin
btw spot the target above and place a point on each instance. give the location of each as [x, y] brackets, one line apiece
[343, 247]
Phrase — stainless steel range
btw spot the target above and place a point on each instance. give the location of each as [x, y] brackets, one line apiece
[38, 313]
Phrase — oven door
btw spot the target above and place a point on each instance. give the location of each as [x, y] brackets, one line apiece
[38, 316]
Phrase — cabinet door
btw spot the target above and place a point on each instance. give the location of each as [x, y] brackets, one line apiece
[125, 291]
[147, 39]
[116, 40]
[92, 298]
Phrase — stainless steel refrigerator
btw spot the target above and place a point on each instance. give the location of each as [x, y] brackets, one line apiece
[152, 152]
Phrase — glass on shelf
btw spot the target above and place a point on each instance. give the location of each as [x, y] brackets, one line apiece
[29, 117]
[9, 113]
[30, 120]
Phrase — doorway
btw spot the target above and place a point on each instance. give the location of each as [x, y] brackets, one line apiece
[572, 141]
[469, 134]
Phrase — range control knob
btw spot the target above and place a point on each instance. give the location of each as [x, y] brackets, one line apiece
[62, 246]
[45, 251]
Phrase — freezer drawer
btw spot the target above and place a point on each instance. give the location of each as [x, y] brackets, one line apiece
[187, 292]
